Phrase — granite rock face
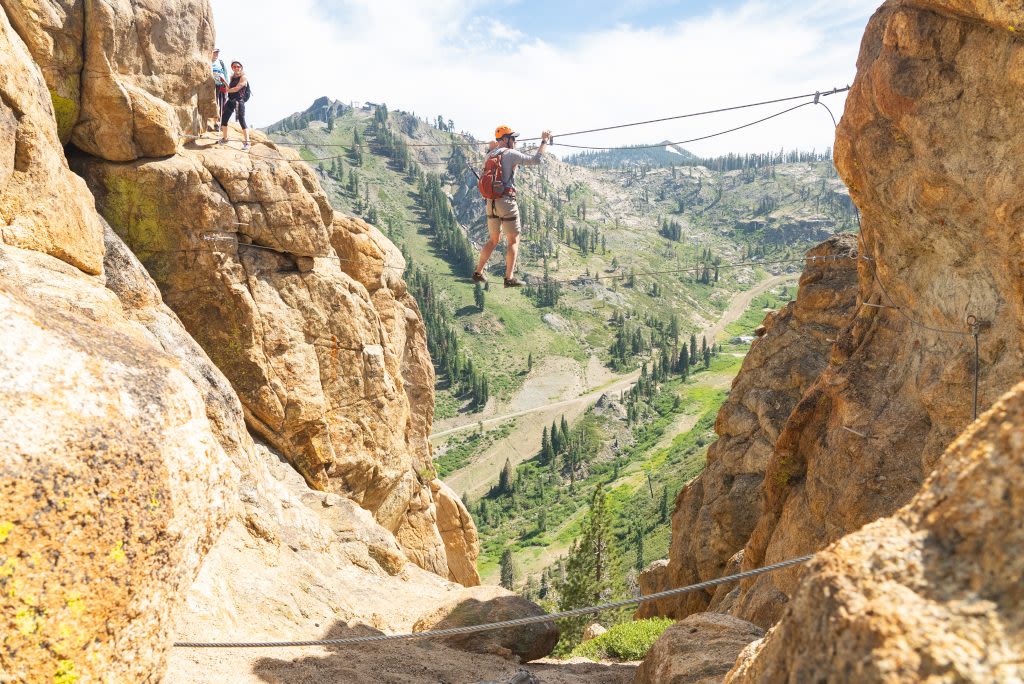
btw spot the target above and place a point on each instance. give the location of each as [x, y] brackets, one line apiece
[305, 312]
[127, 77]
[486, 604]
[700, 649]
[43, 206]
[928, 149]
[932, 593]
[113, 483]
[125, 450]
[716, 513]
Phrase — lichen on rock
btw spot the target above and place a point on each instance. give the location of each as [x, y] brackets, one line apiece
[108, 510]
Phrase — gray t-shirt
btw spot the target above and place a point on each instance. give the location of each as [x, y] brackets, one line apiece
[510, 159]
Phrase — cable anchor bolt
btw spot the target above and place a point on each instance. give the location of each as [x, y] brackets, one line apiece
[817, 96]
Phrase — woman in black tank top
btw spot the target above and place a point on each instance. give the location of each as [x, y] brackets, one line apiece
[235, 104]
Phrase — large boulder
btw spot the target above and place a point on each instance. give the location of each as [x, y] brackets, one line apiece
[126, 77]
[486, 604]
[932, 593]
[716, 513]
[43, 206]
[699, 650]
[461, 542]
[113, 484]
[927, 147]
[326, 351]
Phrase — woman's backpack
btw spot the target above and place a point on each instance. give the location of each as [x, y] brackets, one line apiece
[491, 185]
[246, 92]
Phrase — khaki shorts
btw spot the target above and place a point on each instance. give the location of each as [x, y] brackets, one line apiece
[502, 215]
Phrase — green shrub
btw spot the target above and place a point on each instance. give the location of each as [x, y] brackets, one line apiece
[626, 641]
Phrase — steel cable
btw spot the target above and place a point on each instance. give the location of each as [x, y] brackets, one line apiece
[532, 620]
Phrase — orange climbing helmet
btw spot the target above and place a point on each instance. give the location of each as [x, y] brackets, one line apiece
[501, 131]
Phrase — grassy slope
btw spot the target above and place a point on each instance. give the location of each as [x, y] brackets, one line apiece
[671, 460]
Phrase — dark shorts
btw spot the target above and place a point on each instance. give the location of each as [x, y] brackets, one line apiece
[230, 107]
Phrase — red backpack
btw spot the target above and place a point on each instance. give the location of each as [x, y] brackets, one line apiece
[491, 185]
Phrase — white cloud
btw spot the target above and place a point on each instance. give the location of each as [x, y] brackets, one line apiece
[443, 58]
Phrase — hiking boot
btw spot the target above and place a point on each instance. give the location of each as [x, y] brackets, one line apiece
[478, 277]
[222, 141]
[513, 282]
[245, 147]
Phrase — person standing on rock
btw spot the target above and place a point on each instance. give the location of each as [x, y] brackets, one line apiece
[238, 94]
[497, 185]
[220, 82]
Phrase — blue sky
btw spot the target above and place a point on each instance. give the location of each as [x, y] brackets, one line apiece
[557, 65]
[555, 21]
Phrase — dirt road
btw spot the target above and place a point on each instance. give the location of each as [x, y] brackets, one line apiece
[537, 413]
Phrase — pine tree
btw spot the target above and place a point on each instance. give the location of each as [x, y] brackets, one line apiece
[546, 448]
[587, 568]
[663, 512]
[529, 362]
[638, 536]
[505, 479]
[693, 350]
[508, 570]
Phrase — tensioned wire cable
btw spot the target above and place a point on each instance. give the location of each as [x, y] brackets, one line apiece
[691, 140]
[532, 620]
[815, 95]
[676, 117]
[578, 147]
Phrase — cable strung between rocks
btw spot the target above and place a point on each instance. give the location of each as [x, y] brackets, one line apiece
[533, 620]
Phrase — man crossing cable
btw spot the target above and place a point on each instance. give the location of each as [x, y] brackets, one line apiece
[497, 185]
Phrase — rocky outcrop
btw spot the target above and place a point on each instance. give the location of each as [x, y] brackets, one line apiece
[716, 513]
[127, 77]
[461, 542]
[698, 650]
[43, 206]
[113, 483]
[932, 593]
[291, 558]
[305, 312]
[124, 449]
[486, 604]
[924, 147]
